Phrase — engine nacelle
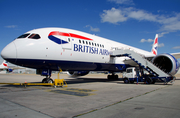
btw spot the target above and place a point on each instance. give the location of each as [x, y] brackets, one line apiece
[9, 70]
[167, 63]
[77, 73]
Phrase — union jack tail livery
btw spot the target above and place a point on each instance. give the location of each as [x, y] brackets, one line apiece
[155, 45]
[4, 64]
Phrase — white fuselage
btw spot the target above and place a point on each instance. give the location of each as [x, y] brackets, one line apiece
[66, 49]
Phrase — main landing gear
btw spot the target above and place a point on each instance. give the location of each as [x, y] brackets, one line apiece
[112, 77]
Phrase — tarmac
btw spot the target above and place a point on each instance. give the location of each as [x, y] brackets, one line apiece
[86, 97]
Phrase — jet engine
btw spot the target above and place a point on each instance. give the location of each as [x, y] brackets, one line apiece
[77, 73]
[9, 70]
[167, 63]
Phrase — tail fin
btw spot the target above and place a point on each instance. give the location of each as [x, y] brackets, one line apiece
[5, 64]
[155, 45]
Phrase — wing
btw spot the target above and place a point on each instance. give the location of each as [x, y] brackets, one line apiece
[176, 55]
[16, 67]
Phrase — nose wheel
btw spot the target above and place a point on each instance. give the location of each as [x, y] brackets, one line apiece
[47, 80]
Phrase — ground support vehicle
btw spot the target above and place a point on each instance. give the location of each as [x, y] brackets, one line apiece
[143, 65]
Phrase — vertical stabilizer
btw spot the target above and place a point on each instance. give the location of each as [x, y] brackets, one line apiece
[155, 45]
[4, 64]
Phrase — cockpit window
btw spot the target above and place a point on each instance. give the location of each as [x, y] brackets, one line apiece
[34, 36]
[23, 36]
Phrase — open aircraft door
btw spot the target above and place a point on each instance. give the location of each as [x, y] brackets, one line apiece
[67, 45]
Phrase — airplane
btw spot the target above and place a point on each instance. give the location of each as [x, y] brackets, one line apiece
[4, 66]
[53, 49]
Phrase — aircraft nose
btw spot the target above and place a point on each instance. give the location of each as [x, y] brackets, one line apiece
[9, 52]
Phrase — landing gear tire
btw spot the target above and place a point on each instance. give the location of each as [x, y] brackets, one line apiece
[126, 80]
[109, 77]
[47, 80]
[116, 77]
[112, 77]
[50, 80]
[44, 80]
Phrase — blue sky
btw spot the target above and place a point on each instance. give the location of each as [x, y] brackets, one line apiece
[133, 22]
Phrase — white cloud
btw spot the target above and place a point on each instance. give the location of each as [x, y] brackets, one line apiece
[123, 14]
[176, 47]
[151, 40]
[174, 26]
[11, 26]
[144, 40]
[128, 2]
[162, 34]
[93, 29]
[139, 14]
[160, 45]
[115, 16]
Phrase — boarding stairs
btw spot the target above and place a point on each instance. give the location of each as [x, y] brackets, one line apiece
[142, 62]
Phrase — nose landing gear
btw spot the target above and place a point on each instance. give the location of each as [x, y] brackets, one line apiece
[47, 80]
[47, 73]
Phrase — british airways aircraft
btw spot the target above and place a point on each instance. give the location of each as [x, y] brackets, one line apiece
[4, 66]
[54, 49]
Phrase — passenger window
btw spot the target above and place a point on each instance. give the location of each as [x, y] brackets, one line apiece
[92, 44]
[89, 43]
[79, 41]
[95, 44]
[83, 42]
[98, 45]
[34, 36]
[86, 42]
[103, 46]
[23, 36]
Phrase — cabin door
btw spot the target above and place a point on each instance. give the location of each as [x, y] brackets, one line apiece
[67, 45]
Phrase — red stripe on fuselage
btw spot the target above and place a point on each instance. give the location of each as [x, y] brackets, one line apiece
[59, 33]
[69, 35]
[79, 36]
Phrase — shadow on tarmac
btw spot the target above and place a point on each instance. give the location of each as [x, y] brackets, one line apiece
[72, 81]
[91, 80]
